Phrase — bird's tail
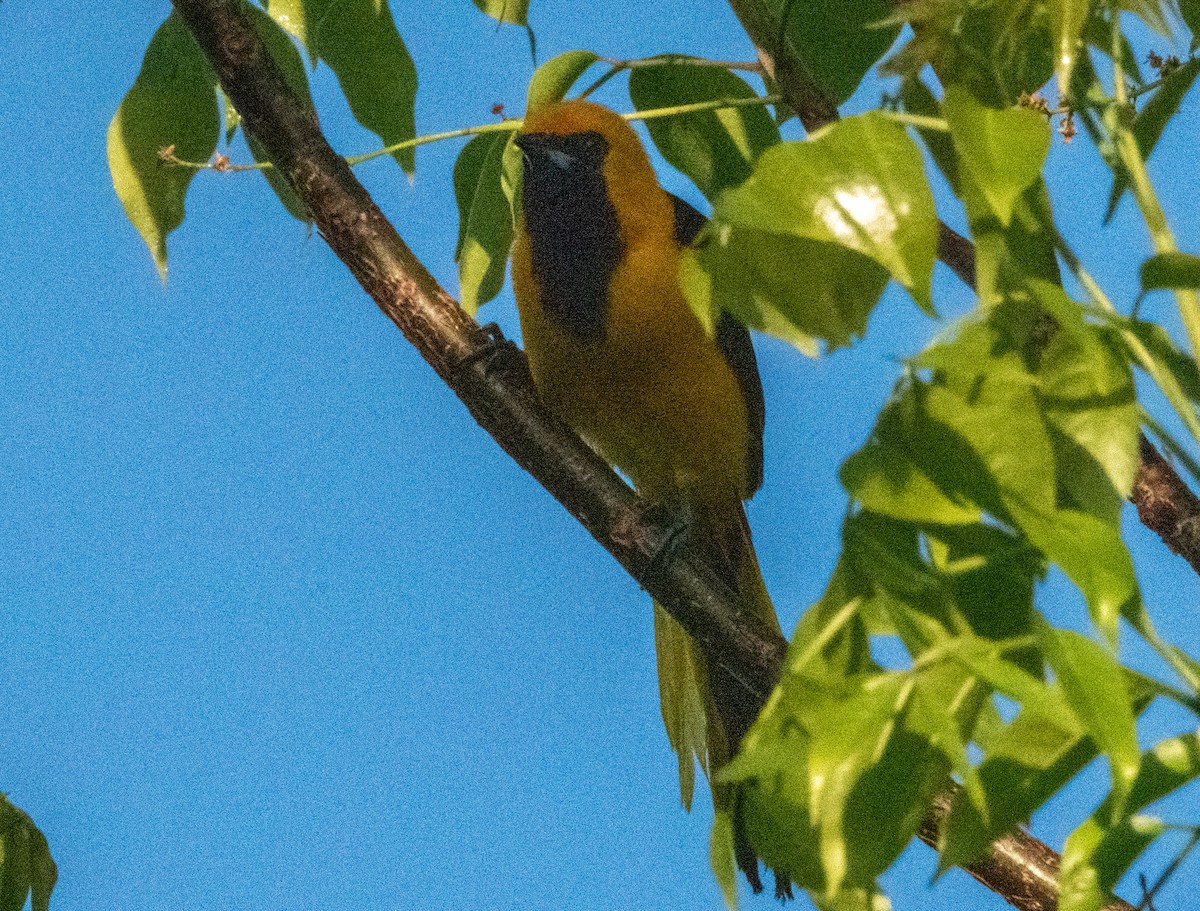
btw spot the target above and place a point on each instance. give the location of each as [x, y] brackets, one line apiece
[705, 711]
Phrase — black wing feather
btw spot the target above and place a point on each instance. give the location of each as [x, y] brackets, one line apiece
[733, 339]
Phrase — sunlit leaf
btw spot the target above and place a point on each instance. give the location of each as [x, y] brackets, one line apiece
[884, 478]
[358, 40]
[514, 11]
[858, 186]
[752, 274]
[172, 103]
[1092, 554]
[1087, 393]
[715, 149]
[553, 79]
[1093, 683]
[1003, 150]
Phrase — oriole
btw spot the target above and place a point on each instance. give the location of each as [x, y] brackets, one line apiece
[617, 352]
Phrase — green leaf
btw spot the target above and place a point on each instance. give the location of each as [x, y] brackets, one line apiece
[840, 41]
[43, 870]
[15, 870]
[359, 42]
[1002, 150]
[172, 103]
[1170, 270]
[1092, 554]
[987, 424]
[715, 149]
[1094, 685]
[1102, 849]
[514, 11]
[1150, 122]
[553, 79]
[721, 858]
[918, 99]
[1025, 763]
[1150, 347]
[1190, 10]
[1067, 18]
[1087, 393]
[752, 274]
[883, 477]
[870, 780]
[485, 219]
[859, 183]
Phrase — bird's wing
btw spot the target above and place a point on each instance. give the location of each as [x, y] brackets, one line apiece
[733, 340]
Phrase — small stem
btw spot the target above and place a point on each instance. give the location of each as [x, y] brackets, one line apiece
[1136, 93]
[920, 121]
[505, 126]
[752, 66]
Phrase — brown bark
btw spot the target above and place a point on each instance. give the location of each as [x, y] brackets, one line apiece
[490, 377]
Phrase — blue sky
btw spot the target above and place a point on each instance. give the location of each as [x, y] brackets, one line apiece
[283, 627]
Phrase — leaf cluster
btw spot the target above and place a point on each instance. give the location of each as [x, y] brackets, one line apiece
[1006, 450]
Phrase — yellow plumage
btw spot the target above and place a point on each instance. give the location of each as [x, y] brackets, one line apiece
[632, 369]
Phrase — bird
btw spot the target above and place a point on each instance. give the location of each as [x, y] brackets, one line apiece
[617, 353]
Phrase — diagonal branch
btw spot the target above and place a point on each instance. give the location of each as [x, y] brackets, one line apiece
[491, 378]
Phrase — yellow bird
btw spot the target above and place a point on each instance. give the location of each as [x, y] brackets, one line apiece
[617, 352]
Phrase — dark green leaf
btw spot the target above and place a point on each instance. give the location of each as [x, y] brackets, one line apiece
[1190, 10]
[172, 103]
[43, 871]
[839, 41]
[715, 149]
[25, 862]
[1150, 122]
[514, 11]
[553, 79]
[485, 219]
[15, 870]
[1171, 270]
[359, 42]
[1003, 150]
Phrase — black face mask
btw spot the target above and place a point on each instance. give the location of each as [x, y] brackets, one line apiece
[575, 240]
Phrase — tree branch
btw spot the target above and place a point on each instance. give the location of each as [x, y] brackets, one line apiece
[491, 378]
[489, 375]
